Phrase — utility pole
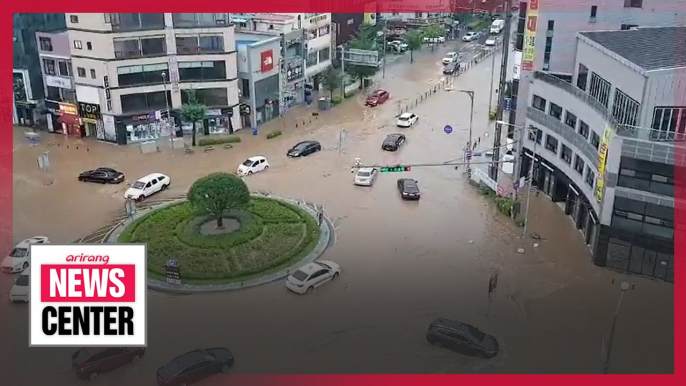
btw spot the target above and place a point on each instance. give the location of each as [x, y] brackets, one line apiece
[501, 93]
[342, 72]
[606, 363]
[383, 73]
[490, 95]
[470, 93]
[531, 180]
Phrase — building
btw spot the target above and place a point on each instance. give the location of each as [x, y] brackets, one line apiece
[27, 75]
[604, 143]
[318, 42]
[556, 24]
[346, 26]
[61, 111]
[140, 68]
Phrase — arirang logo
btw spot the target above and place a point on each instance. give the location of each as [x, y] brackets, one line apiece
[95, 297]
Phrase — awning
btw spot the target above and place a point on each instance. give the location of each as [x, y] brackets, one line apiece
[68, 119]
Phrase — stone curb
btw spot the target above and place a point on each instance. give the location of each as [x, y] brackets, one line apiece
[326, 240]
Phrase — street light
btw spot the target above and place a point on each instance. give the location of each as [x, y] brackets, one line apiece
[471, 120]
[531, 170]
[624, 287]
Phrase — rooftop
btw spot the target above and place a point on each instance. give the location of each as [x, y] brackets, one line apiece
[649, 48]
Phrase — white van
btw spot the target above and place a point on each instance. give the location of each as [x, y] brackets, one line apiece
[20, 289]
[497, 26]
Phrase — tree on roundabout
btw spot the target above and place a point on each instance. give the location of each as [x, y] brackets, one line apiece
[216, 193]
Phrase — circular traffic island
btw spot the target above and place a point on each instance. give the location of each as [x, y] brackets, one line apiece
[268, 236]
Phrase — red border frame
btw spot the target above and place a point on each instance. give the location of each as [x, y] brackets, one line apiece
[354, 6]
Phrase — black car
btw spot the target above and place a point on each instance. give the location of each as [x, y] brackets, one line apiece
[102, 175]
[408, 188]
[195, 366]
[462, 338]
[451, 68]
[304, 148]
[393, 142]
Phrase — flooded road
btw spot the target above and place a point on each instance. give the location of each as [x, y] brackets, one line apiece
[404, 263]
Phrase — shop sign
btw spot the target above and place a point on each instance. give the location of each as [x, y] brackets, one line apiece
[56, 81]
[213, 113]
[245, 110]
[602, 162]
[108, 95]
[68, 109]
[295, 72]
[530, 36]
[90, 112]
[267, 61]
[143, 117]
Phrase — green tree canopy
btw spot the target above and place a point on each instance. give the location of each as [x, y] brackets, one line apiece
[193, 111]
[218, 192]
[365, 39]
[331, 80]
[414, 42]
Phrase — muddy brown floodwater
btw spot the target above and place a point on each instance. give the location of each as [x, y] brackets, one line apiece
[404, 263]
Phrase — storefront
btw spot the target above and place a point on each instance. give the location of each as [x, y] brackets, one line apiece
[69, 122]
[91, 119]
[218, 121]
[144, 127]
[25, 110]
[244, 110]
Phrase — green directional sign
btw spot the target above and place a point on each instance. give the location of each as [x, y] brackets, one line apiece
[395, 169]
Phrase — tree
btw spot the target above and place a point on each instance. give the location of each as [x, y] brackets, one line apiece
[365, 39]
[414, 42]
[433, 32]
[331, 80]
[193, 111]
[218, 192]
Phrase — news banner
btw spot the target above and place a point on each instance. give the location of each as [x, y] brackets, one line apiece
[88, 295]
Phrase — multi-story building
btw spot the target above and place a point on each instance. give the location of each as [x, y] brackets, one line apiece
[27, 76]
[318, 43]
[604, 143]
[140, 69]
[346, 26]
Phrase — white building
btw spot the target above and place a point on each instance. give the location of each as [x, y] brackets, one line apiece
[318, 42]
[139, 66]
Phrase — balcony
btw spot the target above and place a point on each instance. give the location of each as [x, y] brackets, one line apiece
[198, 20]
[623, 130]
[189, 45]
[126, 22]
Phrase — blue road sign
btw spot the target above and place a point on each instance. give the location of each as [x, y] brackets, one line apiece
[448, 129]
[507, 104]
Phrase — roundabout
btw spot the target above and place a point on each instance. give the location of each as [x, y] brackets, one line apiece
[260, 243]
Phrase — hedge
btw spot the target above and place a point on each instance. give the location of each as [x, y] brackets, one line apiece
[273, 134]
[218, 140]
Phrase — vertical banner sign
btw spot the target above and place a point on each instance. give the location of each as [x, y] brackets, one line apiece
[88, 295]
[530, 36]
[267, 61]
[602, 161]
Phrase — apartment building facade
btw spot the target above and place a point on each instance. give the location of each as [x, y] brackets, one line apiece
[140, 68]
[604, 144]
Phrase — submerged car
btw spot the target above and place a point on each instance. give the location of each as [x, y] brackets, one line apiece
[312, 275]
[19, 257]
[366, 176]
[451, 68]
[462, 338]
[408, 189]
[450, 57]
[407, 120]
[376, 98]
[147, 186]
[89, 363]
[20, 290]
[470, 36]
[304, 149]
[102, 175]
[252, 165]
[393, 142]
[195, 366]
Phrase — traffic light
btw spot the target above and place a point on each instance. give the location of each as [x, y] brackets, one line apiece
[395, 169]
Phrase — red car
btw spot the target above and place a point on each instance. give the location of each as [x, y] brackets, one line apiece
[90, 362]
[376, 98]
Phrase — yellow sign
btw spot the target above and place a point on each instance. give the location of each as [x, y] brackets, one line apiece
[529, 47]
[69, 109]
[602, 161]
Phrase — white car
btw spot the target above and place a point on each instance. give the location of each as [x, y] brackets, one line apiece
[366, 176]
[407, 120]
[252, 165]
[490, 42]
[439, 39]
[147, 186]
[20, 289]
[400, 44]
[450, 57]
[20, 257]
[470, 36]
[312, 276]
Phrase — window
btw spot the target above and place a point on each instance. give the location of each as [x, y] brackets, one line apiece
[199, 19]
[583, 129]
[551, 143]
[590, 177]
[595, 140]
[566, 154]
[49, 66]
[146, 74]
[64, 68]
[153, 46]
[81, 72]
[136, 21]
[669, 123]
[548, 52]
[582, 77]
[93, 74]
[45, 43]
[555, 111]
[136, 48]
[570, 120]
[626, 27]
[551, 25]
[535, 134]
[646, 176]
[54, 94]
[324, 54]
[625, 109]
[211, 97]
[196, 44]
[89, 45]
[133, 103]
[108, 17]
[579, 164]
[78, 45]
[202, 70]
[633, 3]
[73, 18]
[312, 59]
[539, 103]
[600, 89]
[594, 11]
[211, 43]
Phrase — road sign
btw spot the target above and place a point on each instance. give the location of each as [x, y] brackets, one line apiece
[508, 103]
[361, 57]
[469, 154]
[448, 129]
[395, 169]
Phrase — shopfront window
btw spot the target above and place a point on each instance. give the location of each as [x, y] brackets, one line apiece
[146, 131]
[218, 125]
[139, 75]
[208, 96]
[144, 102]
[202, 70]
